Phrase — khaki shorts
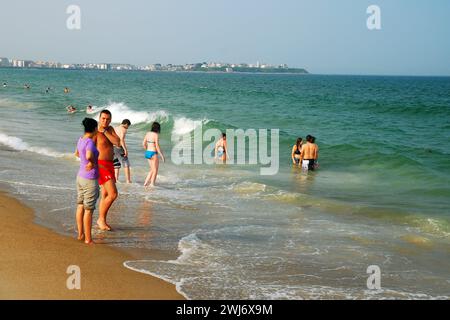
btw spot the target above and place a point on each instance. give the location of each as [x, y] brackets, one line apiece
[87, 193]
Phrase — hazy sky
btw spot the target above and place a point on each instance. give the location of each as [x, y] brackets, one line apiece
[323, 36]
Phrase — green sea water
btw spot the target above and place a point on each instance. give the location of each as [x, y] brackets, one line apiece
[381, 195]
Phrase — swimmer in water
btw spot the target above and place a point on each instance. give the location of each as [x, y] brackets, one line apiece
[71, 109]
[89, 109]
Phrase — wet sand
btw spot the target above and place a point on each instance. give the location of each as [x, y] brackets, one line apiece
[34, 263]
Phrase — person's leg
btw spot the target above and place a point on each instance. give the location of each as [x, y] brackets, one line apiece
[117, 171]
[128, 174]
[109, 194]
[79, 218]
[87, 221]
[155, 163]
[149, 175]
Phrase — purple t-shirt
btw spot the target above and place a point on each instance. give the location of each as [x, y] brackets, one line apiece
[87, 144]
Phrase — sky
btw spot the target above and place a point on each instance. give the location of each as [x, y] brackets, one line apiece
[323, 36]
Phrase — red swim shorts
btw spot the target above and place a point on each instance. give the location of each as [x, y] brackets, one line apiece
[105, 171]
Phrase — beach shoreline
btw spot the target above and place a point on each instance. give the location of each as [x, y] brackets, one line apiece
[35, 262]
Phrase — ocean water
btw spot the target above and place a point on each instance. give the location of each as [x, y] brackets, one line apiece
[381, 196]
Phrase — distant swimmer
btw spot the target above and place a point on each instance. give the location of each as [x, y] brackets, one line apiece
[89, 109]
[47, 90]
[296, 150]
[26, 86]
[66, 90]
[71, 109]
[309, 154]
[221, 151]
[5, 84]
[151, 145]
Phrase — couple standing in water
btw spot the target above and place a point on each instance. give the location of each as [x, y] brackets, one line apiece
[306, 154]
[96, 152]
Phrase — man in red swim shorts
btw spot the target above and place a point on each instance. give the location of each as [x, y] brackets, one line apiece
[106, 139]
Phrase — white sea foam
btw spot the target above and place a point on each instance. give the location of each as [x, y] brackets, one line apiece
[121, 111]
[20, 145]
[183, 125]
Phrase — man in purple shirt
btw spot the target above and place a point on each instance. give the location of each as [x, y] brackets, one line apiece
[87, 183]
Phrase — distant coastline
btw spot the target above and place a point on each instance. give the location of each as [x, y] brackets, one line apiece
[291, 71]
[214, 67]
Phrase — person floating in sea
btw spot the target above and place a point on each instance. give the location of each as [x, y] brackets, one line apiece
[47, 90]
[121, 151]
[66, 90]
[5, 84]
[221, 151]
[87, 184]
[106, 139]
[309, 154]
[26, 86]
[151, 145]
[71, 109]
[89, 109]
[296, 150]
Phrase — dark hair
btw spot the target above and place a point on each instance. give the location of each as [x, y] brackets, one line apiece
[224, 135]
[309, 138]
[313, 139]
[89, 125]
[126, 122]
[299, 140]
[156, 127]
[106, 112]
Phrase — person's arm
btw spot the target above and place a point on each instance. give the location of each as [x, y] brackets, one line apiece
[302, 154]
[225, 148]
[144, 143]
[316, 154]
[158, 149]
[293, 154]
[90, 157]
[112, 136]
[77, 154]
[124, 145]
[215, 150]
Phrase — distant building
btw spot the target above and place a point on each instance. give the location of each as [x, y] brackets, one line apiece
[22, 63]
[4, 62]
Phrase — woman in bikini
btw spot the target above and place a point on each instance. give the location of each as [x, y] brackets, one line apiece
[296, 150]
[221, 151]
[151, 145]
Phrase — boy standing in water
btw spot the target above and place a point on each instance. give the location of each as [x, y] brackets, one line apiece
[106, 139]
[121, 151]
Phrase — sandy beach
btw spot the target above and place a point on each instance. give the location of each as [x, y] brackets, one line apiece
[34, 262]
